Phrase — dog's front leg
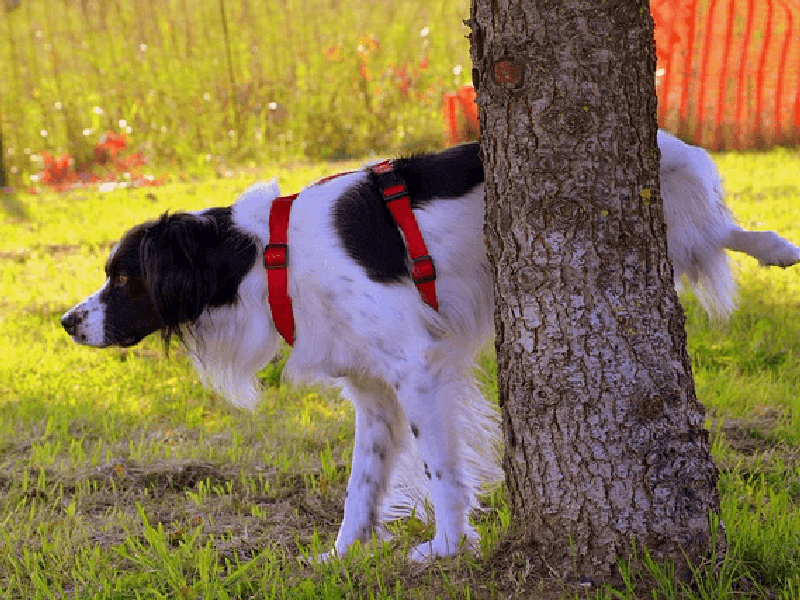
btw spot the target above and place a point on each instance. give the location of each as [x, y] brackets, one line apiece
[374, 453]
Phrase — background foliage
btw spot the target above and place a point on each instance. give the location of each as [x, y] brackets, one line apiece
[199, 82]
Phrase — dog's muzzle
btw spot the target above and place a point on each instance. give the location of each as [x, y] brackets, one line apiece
[71, 321]
[84, 324]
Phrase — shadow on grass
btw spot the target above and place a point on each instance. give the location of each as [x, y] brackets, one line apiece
[12, 206]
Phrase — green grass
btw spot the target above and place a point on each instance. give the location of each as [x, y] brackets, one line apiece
[315, 78]
[121, 477]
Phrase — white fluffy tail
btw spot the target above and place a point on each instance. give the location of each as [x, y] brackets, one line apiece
[698, 224]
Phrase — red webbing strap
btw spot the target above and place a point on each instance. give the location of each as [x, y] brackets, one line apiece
[395, 194]
[275, 263]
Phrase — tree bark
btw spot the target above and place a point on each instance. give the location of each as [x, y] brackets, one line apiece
[605, 438]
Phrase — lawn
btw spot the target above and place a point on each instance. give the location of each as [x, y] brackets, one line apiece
[121, 477]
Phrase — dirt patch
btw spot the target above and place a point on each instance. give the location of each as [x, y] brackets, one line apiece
[751, 450]
[755, 436]
[162, 478]
[240, 517]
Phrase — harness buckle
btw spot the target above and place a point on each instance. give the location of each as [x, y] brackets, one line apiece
[422, 269]
[275, 256]
[391, 184]
[394, 192]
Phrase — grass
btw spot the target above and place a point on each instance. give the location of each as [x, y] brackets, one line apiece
[271, 80]
[121, 477]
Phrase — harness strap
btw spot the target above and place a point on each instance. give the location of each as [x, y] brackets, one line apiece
[395, 194]
[275, 255]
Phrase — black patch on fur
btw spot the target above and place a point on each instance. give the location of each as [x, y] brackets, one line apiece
[452, 173]
[379, 450]
[177, 267]
[414, 430]
[365, 226]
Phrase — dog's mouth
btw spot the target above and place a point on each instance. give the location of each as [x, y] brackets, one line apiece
[123, 342]
[83, 340]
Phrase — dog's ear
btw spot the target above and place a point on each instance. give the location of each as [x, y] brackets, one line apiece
[174, 261]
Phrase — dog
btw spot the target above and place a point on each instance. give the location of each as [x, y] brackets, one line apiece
[425, 435]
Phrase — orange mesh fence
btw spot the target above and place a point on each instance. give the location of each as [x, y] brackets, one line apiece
[728, 74]
[460, 115]
[729, 71]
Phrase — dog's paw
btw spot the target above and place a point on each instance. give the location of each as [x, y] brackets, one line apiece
[792, 256]
[778, 252]
[317, 559]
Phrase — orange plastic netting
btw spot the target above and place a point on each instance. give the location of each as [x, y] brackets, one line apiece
[728, 74]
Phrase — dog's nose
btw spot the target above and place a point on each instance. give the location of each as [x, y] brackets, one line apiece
[70, 321]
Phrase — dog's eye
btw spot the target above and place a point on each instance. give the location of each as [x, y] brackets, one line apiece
[120, 280]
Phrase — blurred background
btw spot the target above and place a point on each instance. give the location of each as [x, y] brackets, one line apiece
[92, 90]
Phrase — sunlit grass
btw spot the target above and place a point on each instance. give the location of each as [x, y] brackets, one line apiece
[122, 477]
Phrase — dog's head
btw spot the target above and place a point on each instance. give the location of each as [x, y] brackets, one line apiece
[161, 276]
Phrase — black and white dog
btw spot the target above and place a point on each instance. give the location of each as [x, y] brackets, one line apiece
[424, 432]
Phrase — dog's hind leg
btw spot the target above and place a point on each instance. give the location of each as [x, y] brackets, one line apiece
[433, 406]
[767, 247]
[379, 431]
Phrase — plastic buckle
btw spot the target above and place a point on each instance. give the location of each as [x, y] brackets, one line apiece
[422, 269]
[394, 192]
[383, 167]
[392, 185]
[275, 256]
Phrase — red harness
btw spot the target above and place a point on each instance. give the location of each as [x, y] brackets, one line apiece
[395, 194]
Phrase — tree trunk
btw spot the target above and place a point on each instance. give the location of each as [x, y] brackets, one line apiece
[605, 438]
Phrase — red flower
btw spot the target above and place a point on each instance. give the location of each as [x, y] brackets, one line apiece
[59, 173]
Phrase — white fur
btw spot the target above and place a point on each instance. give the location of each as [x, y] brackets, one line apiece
[398, 361]
[94, 311]
[700, 227]
[230, 345]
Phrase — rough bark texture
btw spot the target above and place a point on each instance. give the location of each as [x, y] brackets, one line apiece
[605, 441]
